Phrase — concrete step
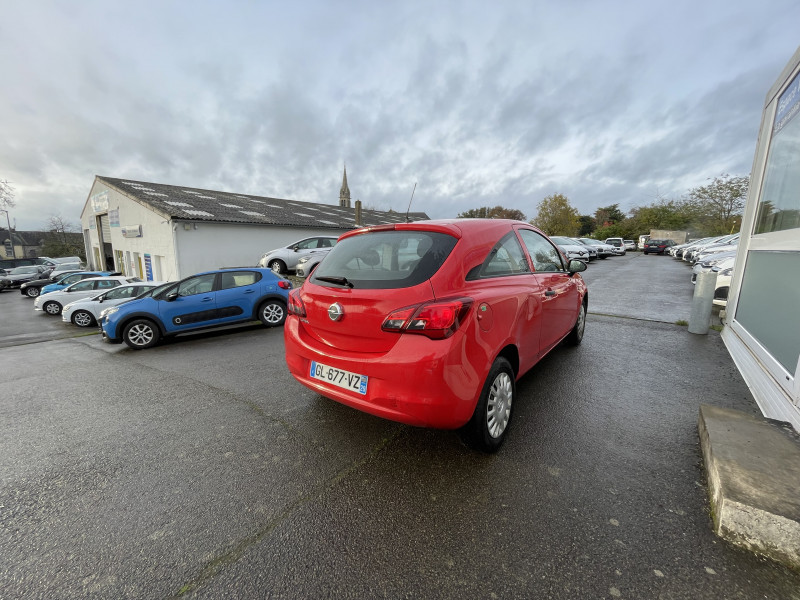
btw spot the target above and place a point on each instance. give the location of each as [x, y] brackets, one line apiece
[753, 470]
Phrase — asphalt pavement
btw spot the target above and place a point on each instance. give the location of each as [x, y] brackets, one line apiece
[200, 469]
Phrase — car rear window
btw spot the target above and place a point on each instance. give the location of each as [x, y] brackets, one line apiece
[384, 259]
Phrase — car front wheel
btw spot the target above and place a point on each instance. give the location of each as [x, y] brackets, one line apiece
[575, 336]
[272, 313]
[277, 266]
[52, 308]
[32, 292]
[487, 428]
[82, 318]
[141, 334]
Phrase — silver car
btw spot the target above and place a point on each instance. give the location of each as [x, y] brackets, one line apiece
[282, 260]
[84, 312]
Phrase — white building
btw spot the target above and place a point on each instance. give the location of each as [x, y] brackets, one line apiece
[165, 232]
[763, 333]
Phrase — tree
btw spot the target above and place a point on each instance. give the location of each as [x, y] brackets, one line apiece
[719, 203]
[588, 225]
[497, 212]
[608, 215]
[556, 216]
[58, 241]
[6, 195]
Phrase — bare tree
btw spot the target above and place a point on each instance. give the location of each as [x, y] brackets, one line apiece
[60, 227]
[6, 195]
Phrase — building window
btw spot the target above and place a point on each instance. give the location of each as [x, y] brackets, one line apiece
[779, 206]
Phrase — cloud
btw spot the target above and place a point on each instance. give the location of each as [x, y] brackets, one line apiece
[479, 105]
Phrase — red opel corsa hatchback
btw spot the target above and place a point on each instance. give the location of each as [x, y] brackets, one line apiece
[431, 323]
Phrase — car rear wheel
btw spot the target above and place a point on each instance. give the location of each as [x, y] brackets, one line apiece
[575, 336]
[272, 313]
[277, 266]
[52, 308]
[141, 334]
[32, 292]
[82, 318]
[487, 428]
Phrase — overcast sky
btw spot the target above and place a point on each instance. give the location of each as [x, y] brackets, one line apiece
[479, 103]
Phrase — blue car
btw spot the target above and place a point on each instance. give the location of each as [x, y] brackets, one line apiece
[202, 301]
[68, 280]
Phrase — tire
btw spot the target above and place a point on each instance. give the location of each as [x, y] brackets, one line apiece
[83, 318]
[575, 336]
[488, 426]
[272, 313]
[32, 292]
[277, 266]
[141, 334]
[52, 308]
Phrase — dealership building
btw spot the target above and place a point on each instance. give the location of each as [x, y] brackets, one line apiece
[165, 232]
[763, 312]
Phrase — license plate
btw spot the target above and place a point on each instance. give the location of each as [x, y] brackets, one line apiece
[339, 377]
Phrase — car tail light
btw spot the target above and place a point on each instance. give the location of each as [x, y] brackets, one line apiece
[296, 304]
[436, 320]
[285, 284]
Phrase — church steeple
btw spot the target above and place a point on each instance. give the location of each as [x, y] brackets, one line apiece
[344, 193]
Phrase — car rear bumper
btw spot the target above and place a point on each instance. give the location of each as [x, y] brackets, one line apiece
[418, 382]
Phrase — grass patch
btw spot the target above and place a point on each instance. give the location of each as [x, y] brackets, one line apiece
[681, 322]
[717, 327]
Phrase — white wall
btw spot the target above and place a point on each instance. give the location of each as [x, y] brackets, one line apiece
[214, 245]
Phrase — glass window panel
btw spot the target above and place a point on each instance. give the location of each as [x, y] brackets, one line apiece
[779, 204]
[769, 301]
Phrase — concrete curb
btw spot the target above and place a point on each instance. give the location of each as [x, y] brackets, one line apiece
[753, 469]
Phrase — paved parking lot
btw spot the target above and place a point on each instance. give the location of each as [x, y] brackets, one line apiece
[200, 469]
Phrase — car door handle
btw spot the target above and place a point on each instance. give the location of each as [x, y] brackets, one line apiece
[549, 293]
[206, 299]
[249, 291]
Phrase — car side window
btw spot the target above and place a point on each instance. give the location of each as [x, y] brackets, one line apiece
[544, 255]
[82, 286]
[104, 284]
[506, 258]
[308, 244]
[201, 284]
[234, 279]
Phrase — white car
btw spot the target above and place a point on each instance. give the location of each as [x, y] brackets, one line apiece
[723, 284]
[53, 302]
[571, 248]
[619, 245]
[285, 259]
[603, 250]
[85, 311]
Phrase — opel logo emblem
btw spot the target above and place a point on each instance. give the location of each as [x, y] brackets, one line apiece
[335, 311]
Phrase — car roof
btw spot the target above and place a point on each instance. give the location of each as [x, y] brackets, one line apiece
[456, 227]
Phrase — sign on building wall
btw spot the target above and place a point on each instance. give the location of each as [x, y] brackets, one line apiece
[148, 267]
[100, 202]
[113, 218]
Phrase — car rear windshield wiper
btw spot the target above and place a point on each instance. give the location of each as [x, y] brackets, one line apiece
[336, 280]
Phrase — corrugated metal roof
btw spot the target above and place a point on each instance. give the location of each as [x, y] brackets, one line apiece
[194, 204]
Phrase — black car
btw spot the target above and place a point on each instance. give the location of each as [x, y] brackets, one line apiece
[658, 246]
[19, 275]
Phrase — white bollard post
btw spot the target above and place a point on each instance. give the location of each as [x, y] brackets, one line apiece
[702, 302]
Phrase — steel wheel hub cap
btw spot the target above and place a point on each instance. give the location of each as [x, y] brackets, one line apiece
[498, 405]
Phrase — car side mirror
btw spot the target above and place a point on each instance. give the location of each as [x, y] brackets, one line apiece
[296, 248]
[576, 266]
[172, 296]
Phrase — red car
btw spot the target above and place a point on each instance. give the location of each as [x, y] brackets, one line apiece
[431, 323]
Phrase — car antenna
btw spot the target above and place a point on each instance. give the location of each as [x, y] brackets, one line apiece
[410, 201]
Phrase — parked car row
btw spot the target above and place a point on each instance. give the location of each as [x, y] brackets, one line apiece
[717, 254]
